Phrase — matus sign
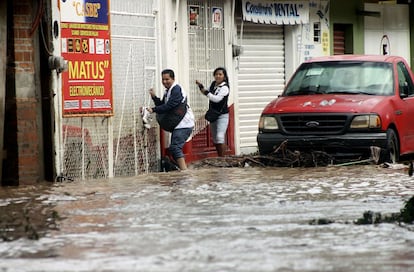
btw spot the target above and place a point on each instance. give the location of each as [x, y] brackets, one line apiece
[276, 12]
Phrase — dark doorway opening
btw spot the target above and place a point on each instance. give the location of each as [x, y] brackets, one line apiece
[343, 39]
[10, 170]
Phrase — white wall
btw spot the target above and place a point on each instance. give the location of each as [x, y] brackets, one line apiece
[393, 22]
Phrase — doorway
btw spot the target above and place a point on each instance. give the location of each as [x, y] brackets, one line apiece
[207, 51]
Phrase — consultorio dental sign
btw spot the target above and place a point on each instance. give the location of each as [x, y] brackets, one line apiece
[276, 12]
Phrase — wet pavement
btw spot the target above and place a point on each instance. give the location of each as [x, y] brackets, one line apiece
[212, 219]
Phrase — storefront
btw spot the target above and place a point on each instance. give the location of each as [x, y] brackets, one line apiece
[209, 41]
[275, 37]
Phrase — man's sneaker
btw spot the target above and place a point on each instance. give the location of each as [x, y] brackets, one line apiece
[168, 165]
[146, 116]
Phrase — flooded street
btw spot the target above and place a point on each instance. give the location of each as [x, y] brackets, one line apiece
[215, 219]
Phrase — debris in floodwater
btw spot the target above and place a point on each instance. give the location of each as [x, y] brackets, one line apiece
[321, 221]
[283, 157]
[410, 168]
[26, 219]
[369, 217]
[291, 159]
[406, 215]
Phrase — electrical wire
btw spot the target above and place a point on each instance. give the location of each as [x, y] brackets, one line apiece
[44, 41]
[39, 14]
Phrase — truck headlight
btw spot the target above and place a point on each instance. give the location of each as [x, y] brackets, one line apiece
[268, 123]
[366, 121]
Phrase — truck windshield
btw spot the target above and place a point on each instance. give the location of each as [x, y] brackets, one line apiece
[342, 77]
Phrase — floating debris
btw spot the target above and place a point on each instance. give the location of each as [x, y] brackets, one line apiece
[30, 219]
[290, 159]
[406, 215]
[369, 217]
[283, 157]
[321, 221]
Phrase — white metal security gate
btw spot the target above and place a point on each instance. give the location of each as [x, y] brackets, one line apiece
[206, 43]
[261, 77]
[98, 147]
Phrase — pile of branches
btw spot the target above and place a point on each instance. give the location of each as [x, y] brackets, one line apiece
[292, 159]
[280, 157]
[283, 157]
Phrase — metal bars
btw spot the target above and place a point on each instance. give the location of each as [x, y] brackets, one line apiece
[91, 144]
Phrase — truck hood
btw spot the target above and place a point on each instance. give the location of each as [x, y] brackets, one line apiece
[325, 103]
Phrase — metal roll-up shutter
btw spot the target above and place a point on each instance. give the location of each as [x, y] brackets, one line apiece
[261, 77]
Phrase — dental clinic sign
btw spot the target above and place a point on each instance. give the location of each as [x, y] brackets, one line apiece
[86, 45]
[276, 12]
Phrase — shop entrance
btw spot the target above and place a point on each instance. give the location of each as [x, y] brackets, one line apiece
[207, 52]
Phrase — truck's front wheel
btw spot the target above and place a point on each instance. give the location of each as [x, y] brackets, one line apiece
[392, 153]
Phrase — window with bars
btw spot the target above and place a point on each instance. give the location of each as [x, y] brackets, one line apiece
[317, 32]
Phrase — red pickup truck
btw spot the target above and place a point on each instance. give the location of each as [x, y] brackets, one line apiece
[344, 105]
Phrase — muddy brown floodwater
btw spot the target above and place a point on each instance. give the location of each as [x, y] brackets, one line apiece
[211, 219]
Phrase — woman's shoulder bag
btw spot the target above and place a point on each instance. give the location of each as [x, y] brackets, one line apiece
[213, 114]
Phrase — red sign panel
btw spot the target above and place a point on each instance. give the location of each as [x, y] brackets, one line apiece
[86, 45]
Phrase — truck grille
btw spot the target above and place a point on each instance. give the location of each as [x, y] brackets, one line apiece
[314, 124]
